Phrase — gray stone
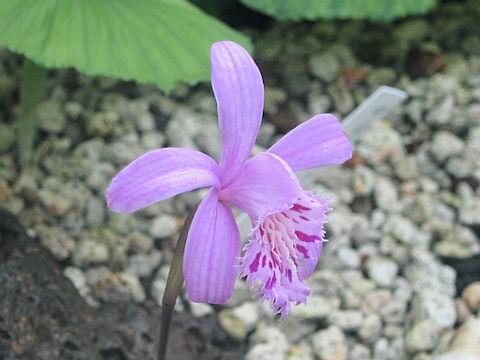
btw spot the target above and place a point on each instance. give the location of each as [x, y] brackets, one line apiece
[347, 320]
[469, 213]
[90, 251]
[379, 142]
[471, 295]
[153, 140]
[318, 103]
[97, 274]
[273, 98]
[163, 226]
[267, 343]
[343, 101]
[426, 272]
[371, 328]
[302, 352]
[208, 138]
[324, 66]
[140, 243]
[393, 350]
[394, 311]
[95, 211]
[121, 153]
[393, 331]
[51, 116]
[465, 343]
[430, 304]
[295, 79]
[414, 110]
[144, 264]
[406, 168]
[459, 167]
[268, 334]
[360, 352]
[90, 150]
[200, 309]
[374, 300]
[241, 293]
[57, 242]
[458, 241]
[145, 122]
[7, 137]
[423, 208]
[101, 124]
[330, 344]
[363, 180]
[423, 336]
[265, 134]
[238, 321]
[55, 202]
[265, 352]
[382, 270]
[120, 287]
[78, 279]
[123, 224]
[194, 131]
[385, 194]
[381, 76]
[100, 176]
[402, 289]
[74, 109]
[349, 257]
[445, 144]
[402, 229]
[316, 308]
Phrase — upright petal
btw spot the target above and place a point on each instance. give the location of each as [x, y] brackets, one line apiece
[317, 142]
[160, 174]
[266, 184]
[212, 246]
[238, 88]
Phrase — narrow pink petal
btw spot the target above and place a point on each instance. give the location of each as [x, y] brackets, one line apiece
[317, 142]
[266, 184]
[238, 88]
[160, 174]
[307, 265]
[309, 217]
[213, 244]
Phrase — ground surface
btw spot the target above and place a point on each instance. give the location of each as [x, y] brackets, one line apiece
[407, 204]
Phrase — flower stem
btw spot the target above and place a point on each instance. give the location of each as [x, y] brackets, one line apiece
[31, 92]
[173, 287]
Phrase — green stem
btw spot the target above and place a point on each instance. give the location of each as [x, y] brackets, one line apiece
[173, 287]
[31, 92]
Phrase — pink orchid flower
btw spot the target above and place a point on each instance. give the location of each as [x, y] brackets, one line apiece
[287, 236]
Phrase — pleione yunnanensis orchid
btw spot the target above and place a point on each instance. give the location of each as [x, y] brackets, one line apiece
[287, 236]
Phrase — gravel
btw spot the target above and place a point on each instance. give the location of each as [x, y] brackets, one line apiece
[410, 196]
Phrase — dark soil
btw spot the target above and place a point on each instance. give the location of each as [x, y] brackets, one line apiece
[43, 317]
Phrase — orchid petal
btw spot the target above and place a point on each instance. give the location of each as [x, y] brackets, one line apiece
[238, 88]
[265, 185]
[307, 266]
[317, 142]
[160, 174]
[212, 246]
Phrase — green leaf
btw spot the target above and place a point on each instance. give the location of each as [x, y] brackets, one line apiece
[158, 41]
[382, 10]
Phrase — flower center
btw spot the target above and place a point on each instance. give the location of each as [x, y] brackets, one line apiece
[284, 250]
